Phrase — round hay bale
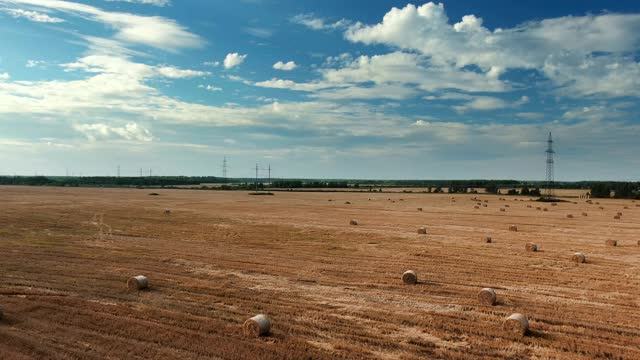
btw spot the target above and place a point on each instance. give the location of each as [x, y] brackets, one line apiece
[476, 207]
[259, 325]
[487, 296]
[569, 216]
[506, 205]
[419, 209]
[617, 217]
[167, 211]
[578, 257]
[637, 205]
[478, 203]
[486, 201]
[601, 207]
[538, 208]
[531, 247]
[503, 210]
[513, 228]
[554, 204]
[619, 213]
[353, 222]
[545, 209]
[410, 277]
[611, 243]
[485, 205]
[516, 324]
[597, 203]
[626, 207]
[638, 242]
[488, 240]
[422, 230]
[529, 206]
[347, 202]
[584, 214]
[139, 282]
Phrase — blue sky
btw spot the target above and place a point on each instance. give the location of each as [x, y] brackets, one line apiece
[333, 89]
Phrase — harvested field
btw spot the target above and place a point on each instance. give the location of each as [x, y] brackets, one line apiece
[332, 290]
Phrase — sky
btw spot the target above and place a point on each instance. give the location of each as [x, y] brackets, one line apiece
[372, 89]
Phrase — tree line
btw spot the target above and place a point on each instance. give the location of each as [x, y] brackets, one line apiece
[598, 189]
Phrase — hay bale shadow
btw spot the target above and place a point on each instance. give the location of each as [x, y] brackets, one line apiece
[536, 334]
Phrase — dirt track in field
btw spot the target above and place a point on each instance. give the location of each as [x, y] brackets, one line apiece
[332, 290]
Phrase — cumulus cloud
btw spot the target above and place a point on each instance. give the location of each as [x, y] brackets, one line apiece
[32, 15]
[4, 76]
[233, 60]
[583, 54]
[391, 71]
[131, 131]
[288, 66]
[154, 31]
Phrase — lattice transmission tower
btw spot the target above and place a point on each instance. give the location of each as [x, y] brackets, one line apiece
[224, 168]
[550, 181]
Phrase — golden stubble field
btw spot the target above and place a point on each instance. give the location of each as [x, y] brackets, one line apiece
[332, 290]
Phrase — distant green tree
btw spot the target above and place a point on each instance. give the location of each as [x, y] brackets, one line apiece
[600, 190]
[491, 188]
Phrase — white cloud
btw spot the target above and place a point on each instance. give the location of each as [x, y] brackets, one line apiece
[154, 31]
[530, 115]
[390, 71]
[131, 131]
[32, 15]
[4, 76]
[259, 32]
[596, 112]
[35, 63]
[562, 48]
[387, 91]
[209, 87]
[288, 66]
[291, 85]
[315, 23]
[212, 63]
[175, 73]
[149, 2]
[123, 66]
[485, 103]
[233, 59]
